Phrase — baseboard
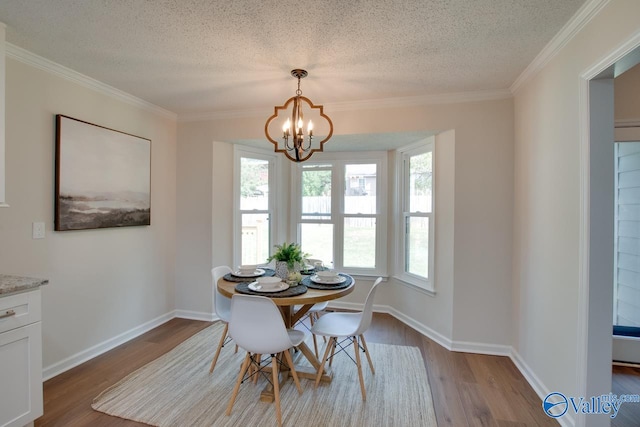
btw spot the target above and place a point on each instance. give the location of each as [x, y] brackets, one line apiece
[420, 327]
[88, 354]
[482, 348]
[541, 390]
[196, 315]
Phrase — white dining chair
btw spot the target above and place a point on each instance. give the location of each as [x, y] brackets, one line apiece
[222, 307]
[257, 326]
[350, 327]
[314, 312]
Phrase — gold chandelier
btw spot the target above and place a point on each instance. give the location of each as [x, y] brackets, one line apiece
[297, 145]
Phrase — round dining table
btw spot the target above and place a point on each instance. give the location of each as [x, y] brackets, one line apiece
[290, 316]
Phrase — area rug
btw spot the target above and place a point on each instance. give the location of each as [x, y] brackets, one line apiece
[177, 390]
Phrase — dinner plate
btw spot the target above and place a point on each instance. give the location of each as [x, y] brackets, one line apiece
[256, 273]
[256, 287]
[325, 281]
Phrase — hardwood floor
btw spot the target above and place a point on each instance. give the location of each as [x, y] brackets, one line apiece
[626, 380]
[467, 389]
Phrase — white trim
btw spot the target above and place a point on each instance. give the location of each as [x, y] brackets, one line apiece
[100, 348]
[272, 158]
[3, 27]
[581, 18]
[37, 61]
[627, 123]
[582, 334]
[371, 104]
[338, 162]
[196, 315]
[422, 289]
[541, 390]
[400, 177]
[482, 348]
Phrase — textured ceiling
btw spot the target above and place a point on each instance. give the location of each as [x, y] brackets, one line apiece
[198, 56]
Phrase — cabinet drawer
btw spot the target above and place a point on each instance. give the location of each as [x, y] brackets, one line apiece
[19, 310]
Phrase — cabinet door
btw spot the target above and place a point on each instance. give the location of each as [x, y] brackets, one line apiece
[21, 375]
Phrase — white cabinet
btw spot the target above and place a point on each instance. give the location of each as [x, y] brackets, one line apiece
[20, 359]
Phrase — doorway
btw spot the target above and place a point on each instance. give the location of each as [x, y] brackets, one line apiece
[597, 221]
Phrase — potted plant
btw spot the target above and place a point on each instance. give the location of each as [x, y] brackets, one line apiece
[289, 258]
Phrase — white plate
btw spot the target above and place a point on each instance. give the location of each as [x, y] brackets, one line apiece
[256, 273]
[278, 288]
[325, 281]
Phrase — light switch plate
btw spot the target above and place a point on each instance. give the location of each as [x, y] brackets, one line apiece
[38, 230]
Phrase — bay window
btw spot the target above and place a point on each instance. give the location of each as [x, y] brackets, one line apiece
[416, 215]
[340, 211]
[254, 204]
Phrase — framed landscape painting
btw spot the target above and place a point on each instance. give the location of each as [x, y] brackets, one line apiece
[103, 177]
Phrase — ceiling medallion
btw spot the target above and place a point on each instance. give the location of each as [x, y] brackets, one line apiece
[297, 145]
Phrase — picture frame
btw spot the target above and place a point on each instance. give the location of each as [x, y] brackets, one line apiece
[102, 177]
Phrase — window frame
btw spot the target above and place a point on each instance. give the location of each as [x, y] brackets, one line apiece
[403, 155]
[274, 198]
[338, 163]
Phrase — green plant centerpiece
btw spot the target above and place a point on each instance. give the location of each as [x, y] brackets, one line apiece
[289, 259]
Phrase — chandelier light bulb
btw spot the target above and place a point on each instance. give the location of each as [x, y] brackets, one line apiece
[310, 127]
[287, 126]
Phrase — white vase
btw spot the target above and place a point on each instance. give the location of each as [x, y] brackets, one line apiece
[283, 270]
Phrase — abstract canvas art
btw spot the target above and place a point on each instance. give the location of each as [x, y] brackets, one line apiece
[103, 177]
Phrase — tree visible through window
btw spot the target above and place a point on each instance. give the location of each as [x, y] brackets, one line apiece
[254, 210]
[416, 177]
[339, 218]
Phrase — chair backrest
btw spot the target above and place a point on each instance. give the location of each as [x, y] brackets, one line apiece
[221, 303]
[256, 325]
[367, 312]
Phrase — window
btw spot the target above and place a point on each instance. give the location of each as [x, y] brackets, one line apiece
[253, 204]
[416, 215]
[340, 212]
[626, 291]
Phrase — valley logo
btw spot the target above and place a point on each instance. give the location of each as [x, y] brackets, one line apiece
[557, 404]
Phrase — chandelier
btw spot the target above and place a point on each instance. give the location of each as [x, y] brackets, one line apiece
[296, 144]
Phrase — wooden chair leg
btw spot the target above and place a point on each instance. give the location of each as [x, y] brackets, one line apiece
[356, 348]
[243, 370]
[324, 359]
[287, 356]
[366, 351]
[220, 345]
[333, 351]
[276, 387]
[315, 346]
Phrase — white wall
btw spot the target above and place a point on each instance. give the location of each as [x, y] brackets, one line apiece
[547, 209]
[473, 305]
[102, 283]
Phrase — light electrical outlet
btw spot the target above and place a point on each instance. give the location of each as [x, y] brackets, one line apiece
[38, 230]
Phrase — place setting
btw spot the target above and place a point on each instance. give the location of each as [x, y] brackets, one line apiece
[271, 286]
[327, 280]
[249, 273]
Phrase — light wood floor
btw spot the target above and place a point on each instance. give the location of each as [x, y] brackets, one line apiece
[468, 389]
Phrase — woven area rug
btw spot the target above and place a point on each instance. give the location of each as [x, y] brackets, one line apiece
[177, 390]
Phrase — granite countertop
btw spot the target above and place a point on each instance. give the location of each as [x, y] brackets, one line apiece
[14, 284]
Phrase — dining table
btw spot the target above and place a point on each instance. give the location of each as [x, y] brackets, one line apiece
[302, 297]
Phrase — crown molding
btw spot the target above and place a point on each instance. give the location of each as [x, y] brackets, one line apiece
[627, 123]
[581, 18]
[371, 104]
[37, 61]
